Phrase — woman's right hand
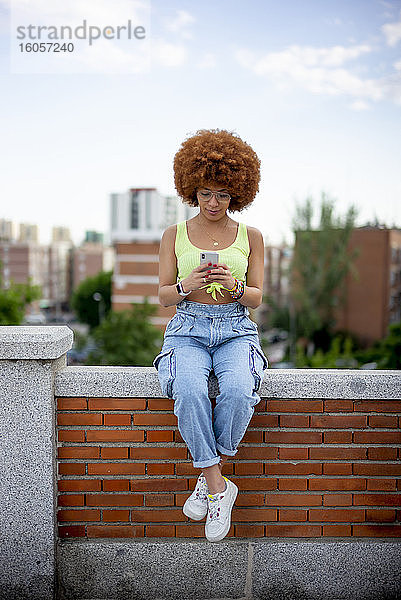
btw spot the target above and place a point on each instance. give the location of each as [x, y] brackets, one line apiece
[196, 278]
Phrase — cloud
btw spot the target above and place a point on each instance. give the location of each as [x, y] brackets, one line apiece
[208, 61]
[318, 70]
[392, 32]
[167, 54]
[179, 23]
[359, 105]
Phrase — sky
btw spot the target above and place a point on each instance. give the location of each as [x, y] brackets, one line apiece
[314, 86]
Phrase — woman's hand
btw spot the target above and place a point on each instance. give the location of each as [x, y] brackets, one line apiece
[197, 278]
[221, 274]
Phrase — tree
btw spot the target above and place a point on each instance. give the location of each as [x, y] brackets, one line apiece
[83, 303]
[320, 263]
[14, 300]
[126, 338]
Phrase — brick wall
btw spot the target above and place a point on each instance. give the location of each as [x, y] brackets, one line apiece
[305, 468]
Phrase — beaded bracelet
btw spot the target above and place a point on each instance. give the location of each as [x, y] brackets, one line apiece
[238, 290]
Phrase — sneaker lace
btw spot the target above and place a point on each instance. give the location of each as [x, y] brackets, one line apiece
[214, 508]
[201, 489]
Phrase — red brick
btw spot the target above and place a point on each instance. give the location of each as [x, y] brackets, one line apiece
[337, 469]
[334, 514]
[382, 453]
[378, 406]
[71, 468]
[78, 515]
[159, 500]
[353, 483]
[159, 435]
[160, 419]
[250, 500]
[158, 453]
[256, 452]
[72, 403]
[378, 499]
[71, 500]
[256, 483]
[178, 438]
[292, 514]
[294, 420]
[292, 484]
[253, 514]
[252, 437]
[160, 530]
[116, 485]
[71, 531]
[293, 437]
[111, 516]
[167, 515]
[293, 453]
[115, 435]
[380, 514]
[160, 404]
[338, 406]
[261, 420]
[293, 499]
[109, 453]
[115, 420]
[114, 500]
[249, 530]
[337, 530]
[117, 404]
[261, 405]
[246, 468]
[339, 421]
[377, 437]
[285, 530]
[116, 468]
[162, 468]
[71, 435]
[78, 452]
[337, 499]
[380, 469]
[383, 421]
[115, 531]
[78, 419]
[191, 530]
[159, 485]
[337, 453]
[302, 468]
[381, 484]
[286, 406]
[337, 437]
[377, 530]
[79, 485]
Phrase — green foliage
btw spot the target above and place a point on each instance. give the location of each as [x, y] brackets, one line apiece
[126, 338]
[386, 352]
[339, 355]
[320, 263]
[279, 316]
[13, 301]
[82, 302]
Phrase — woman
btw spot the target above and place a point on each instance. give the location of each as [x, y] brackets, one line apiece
[218, 172]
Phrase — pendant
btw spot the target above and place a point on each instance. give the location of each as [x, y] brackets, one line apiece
[215, 243]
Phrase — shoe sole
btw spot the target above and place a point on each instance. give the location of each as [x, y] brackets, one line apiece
[192, 515]
[227, 527]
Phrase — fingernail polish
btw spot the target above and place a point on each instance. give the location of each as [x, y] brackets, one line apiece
[209, 264]
[215, 265]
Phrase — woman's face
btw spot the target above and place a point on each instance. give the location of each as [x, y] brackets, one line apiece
[213, 199]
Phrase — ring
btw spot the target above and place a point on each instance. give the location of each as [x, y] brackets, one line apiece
[204, 280]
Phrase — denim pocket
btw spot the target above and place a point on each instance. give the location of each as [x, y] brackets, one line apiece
[164, 363]
[258, 363]
[244, 324]
[182, 323]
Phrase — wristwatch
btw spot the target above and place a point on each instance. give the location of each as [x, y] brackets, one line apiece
[180, 290]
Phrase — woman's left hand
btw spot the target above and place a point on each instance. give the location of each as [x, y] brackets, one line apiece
[222, 274]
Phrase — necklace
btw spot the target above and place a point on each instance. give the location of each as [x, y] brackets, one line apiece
[215, 242]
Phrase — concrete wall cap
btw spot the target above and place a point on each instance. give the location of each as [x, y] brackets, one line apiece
[34, 342]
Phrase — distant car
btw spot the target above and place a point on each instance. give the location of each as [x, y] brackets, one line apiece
[35, 319]
[282, 365]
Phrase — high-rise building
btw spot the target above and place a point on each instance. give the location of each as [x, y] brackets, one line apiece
[138, 219]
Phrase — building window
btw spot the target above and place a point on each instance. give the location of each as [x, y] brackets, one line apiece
[148, 207]
[134, 211]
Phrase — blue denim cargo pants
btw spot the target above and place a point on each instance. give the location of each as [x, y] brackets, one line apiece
[198, 339]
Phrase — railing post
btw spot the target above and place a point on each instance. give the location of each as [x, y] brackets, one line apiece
[29, 359]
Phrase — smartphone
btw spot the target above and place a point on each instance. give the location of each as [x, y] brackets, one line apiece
[207, 257]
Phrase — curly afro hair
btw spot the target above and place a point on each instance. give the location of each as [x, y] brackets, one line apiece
[221, 157]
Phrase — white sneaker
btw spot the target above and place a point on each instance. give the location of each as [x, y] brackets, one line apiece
[218, 520]
[195, 506]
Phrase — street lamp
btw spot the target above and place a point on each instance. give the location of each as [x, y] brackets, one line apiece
[97, 296]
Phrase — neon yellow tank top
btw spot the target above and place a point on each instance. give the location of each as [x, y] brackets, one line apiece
[235, 257]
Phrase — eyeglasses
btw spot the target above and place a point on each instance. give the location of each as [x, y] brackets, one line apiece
[207, 195]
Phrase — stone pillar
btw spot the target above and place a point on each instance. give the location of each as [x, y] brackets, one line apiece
[29, 358]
